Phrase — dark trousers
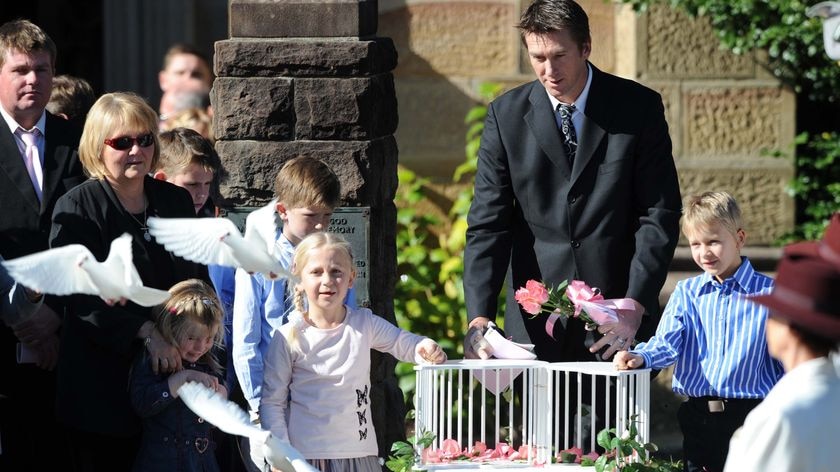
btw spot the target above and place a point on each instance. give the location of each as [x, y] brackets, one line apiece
[29, 433]
[93, 452]
[706, 433]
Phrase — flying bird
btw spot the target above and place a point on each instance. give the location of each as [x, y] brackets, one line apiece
[73, 269]
[218, 241]
[830, 14]
[231, 419]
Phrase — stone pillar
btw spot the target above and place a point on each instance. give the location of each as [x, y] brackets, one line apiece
[309, 77]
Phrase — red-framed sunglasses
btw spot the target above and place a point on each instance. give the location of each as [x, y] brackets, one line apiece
[124, 143]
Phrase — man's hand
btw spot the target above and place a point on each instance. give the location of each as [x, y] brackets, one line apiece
[619, 335]
[37, 328]
[47, 352]
[475, 346]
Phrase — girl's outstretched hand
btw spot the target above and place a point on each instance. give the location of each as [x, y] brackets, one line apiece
[430, 352]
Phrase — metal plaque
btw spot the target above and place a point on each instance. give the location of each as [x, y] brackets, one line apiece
[351, 222]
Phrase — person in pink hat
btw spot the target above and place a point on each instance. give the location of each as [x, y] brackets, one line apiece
[793, 429]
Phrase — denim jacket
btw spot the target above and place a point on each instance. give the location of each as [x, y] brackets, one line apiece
[174, 438]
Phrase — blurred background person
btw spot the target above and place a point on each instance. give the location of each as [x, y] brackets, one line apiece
[185, 80]
[119, 148]
[71, 98]
[193, 118]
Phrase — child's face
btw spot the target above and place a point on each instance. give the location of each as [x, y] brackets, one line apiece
[716, 250]
[197, 341]
[196, 179]
[326, 278]
[300, 222]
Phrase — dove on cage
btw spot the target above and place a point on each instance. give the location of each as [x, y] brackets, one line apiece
[231, 419]
[73, 269]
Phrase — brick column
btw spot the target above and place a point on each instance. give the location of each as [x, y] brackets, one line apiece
[309, 77]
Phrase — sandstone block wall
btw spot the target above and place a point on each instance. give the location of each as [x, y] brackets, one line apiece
[310, 78]
[724, 111]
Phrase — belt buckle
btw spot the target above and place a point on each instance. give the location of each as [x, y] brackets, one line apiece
[716, 406]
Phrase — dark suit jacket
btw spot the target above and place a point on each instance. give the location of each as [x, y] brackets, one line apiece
[24, 222]
[98, 342]
[611, 221]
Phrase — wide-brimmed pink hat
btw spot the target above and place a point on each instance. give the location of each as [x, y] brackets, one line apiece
[827, 248]
[807, 294]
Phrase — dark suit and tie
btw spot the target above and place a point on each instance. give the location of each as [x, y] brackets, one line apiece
[31, 181]
[609, 218]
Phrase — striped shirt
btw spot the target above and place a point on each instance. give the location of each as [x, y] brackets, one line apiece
[716, 337]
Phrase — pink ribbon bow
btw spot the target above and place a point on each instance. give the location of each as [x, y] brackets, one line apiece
[590, 300]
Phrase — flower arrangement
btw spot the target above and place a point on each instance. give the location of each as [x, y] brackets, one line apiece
[573, 299]
[624, 453]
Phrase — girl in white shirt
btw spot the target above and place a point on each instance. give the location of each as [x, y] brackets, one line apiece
[316, 385]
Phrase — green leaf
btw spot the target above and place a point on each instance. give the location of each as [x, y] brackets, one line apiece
[475, 114]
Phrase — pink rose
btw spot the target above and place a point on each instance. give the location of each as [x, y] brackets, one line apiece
[430, 456]
[532, 297]
[478, 449]
[451, 448]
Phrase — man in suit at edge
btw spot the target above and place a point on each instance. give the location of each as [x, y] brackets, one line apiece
[32, 177]
[605, 211]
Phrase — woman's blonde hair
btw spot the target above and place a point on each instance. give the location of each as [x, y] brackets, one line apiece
[701, 211]
[192, 302]
[111, 112]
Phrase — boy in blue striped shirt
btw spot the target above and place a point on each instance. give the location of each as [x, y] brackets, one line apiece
[714, 335]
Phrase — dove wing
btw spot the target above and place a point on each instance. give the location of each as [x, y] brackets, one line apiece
[54, 271]
[196, 239]
[282, 456]
[147, 296]
[261, 226]
[225, 414]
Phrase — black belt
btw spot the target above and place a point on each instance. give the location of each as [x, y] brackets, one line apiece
[720, 404]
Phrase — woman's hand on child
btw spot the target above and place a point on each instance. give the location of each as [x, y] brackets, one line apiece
[188, 375]
[430, 351]
[164, 356]
[624, 360]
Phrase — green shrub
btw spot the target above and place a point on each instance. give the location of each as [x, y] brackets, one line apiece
[796, 57]
[429, 295]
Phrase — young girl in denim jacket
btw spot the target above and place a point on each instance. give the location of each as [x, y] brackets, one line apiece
[174, 438]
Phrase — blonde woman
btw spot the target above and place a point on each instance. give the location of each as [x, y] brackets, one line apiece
[119, 147]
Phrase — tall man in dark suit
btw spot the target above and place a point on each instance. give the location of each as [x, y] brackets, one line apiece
[575, 180]
[38, 164]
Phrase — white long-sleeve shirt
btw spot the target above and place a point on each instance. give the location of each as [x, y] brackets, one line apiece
[316, 383]
[794, 428]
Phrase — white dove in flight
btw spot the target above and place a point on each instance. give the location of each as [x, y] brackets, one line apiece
[218, 241]
[73, 269]
[231, 419]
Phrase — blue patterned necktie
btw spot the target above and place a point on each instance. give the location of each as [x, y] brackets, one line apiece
[568, 130]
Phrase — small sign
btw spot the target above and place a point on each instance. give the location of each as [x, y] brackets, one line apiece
[353, 223]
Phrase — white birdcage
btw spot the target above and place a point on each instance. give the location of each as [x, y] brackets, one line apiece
[548, 407]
